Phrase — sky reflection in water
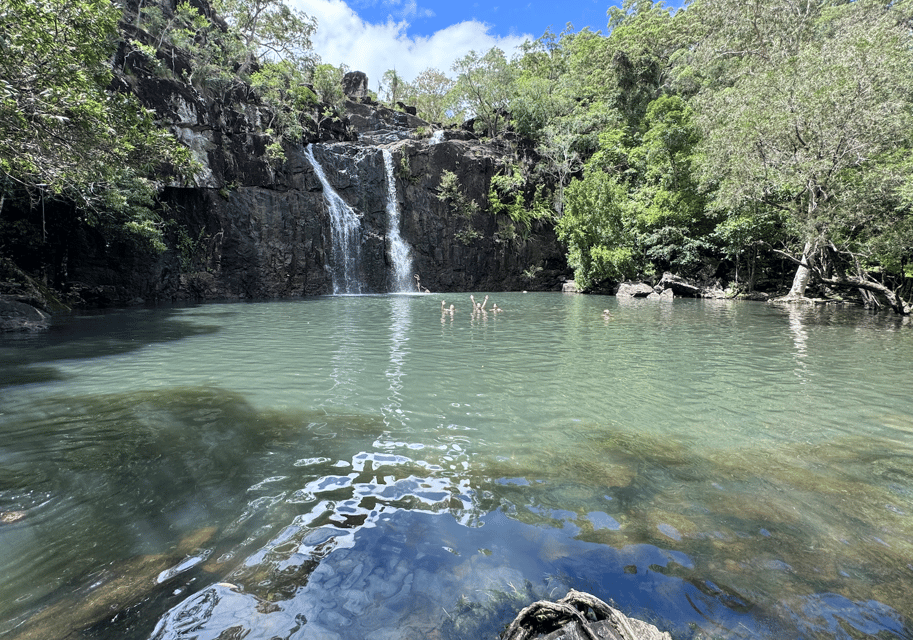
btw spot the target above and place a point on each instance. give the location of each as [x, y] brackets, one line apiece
[353, 467]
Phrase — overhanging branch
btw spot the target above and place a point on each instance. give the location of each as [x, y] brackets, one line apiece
[852, 282]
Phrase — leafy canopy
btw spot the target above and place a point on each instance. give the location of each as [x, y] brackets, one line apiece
[63, 131]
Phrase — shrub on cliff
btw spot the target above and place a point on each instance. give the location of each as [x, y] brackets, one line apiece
[64, 134]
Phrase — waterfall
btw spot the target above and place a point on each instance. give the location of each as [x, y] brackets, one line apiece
[437, 137]
[400, 252]
[346, 241]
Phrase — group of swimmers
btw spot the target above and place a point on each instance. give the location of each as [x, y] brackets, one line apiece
[478, 308]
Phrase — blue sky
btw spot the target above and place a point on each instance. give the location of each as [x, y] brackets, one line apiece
[504, 17]
[412, 35]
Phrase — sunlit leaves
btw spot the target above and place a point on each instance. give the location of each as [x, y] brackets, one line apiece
[484, 84]
[595, 230]
[63, 132]
[431, 93]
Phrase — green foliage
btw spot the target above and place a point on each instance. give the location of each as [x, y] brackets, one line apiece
[281, 88]
[192, 250]
[431, 93]
[452, 193]
[506, 197]
[270, 32]
[531, 272]
[455, 196]
[574, 87]
[807, 116]
[483, 87]
[467, 235]
[64, 136]
[404, 170]
[209, 52]
[595, 229]
[327, 81]
[644, 37]
[265, 45]
[257, 32]
[541, 89]
[391, 87]
[639, 209]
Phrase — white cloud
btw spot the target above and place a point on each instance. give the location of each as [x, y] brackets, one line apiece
[344, 38]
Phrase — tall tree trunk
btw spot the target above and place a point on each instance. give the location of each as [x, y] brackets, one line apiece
[803, 272]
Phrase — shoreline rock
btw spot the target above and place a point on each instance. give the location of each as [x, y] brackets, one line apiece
[20, 317]
[578, 616]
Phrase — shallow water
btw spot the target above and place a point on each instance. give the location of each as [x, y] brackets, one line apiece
[358, 466]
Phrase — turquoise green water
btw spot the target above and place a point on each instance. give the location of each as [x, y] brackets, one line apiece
[353, 467]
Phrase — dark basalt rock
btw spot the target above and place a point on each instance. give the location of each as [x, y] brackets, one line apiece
[578, 616]
[412, 111]
[633, 290]
[379, 125]
[19, 316]
[678, 285]
[355, 85]
[252, 227]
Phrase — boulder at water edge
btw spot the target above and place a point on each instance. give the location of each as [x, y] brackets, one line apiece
[18, 316]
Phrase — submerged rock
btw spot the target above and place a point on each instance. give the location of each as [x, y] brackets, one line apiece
[11, 517]
[114, 589]
[19, 316]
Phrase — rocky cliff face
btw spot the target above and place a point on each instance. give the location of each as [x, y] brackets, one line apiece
[252, 228]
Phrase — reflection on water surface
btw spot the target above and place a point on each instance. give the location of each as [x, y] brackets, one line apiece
[358, 466]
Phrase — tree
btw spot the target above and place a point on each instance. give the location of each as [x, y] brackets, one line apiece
[270, 31]
[638, 209]
[574, 87]
[540, 92]
[259, 43]
[63, 133]
[804, 107]
[327, 81]
[644, 37]
[190, 46]
[391, 85]
[560, 155]
[484, 85]
[595, 230]
[280, 87]
[431, 94]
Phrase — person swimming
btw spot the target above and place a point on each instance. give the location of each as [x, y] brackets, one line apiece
[478, 308]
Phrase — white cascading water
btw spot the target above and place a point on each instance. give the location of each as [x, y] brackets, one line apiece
[346, 227]
[437, 137]
[400, 252]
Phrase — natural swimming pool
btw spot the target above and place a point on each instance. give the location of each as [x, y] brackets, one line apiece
[359, 466]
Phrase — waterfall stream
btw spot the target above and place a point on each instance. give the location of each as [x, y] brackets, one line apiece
[346, 228]
[400, 252]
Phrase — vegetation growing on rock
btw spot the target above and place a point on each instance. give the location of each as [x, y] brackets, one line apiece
[679, 141]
